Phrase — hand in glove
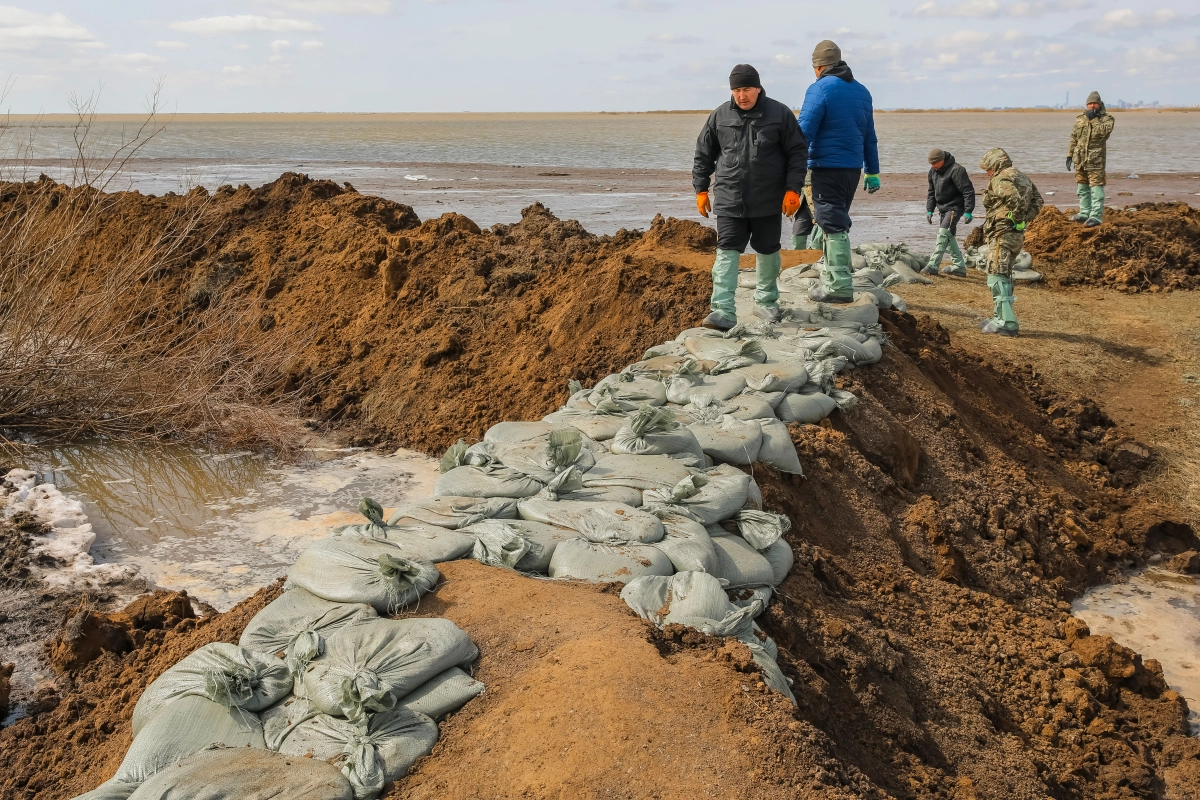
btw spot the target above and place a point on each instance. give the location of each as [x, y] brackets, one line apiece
[791, 204]
[1070, 164]
[702, 204]
[871, 184]
[967, 217]
[929, 217]
[1017, 226]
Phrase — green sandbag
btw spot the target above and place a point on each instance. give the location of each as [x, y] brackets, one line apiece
[497, 543]
[184, 726]
[226, 674]
[443, 694]
[294, 626]
[740, 564]
[246, 774]
[353, 569]
[686, 543]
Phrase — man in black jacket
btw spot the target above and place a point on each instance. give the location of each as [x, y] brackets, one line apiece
[953, 195]
[754, 146]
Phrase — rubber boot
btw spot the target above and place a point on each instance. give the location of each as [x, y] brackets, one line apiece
[725, 280]
[837, 285]
[766, 290]
[800, 242]
[1085, 203]
[1097, 215]
[939, 250]
[816, 239]
[959, 270]
[1004, 320]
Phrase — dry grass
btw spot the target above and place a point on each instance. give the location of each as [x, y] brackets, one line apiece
[81, 352]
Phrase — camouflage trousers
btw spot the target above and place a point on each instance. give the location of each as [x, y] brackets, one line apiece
[1002, 252]
[1095, 176]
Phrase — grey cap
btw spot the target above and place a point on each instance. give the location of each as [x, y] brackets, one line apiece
[826, 54]
[937, 154]
[1094, 97]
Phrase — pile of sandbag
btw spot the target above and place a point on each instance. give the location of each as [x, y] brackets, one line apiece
[976, 258]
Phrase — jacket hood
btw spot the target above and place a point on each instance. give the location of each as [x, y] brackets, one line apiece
[839, 70]
[995, 159]
[947, 161]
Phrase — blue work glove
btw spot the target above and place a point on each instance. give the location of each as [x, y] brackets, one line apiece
[871, 184]
[967, 217]
[929, 217]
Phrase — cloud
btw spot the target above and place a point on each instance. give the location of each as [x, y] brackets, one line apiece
[677, 38]
[785, 42]
[643, 57]
[233, 69]
[311, 45]
[242, 23]
[991, 9]
[280, 44]
[643, 5]
[171, 45]
[1124, 20]
[337, 7]
[23, 30]
[133, 59]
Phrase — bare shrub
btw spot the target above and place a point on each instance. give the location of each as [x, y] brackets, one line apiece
[88, 349]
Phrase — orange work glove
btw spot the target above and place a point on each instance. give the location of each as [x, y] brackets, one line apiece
[791, 204]
[702, 204]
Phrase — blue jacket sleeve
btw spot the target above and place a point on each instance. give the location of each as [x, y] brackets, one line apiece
[870, 143]
[812, 112]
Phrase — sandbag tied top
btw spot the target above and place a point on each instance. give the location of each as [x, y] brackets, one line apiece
[630, 386]
[295, 624]
[374, 526]
[246, 774]
[762, 528]
[372, 753]
[654, 432]
[370, 665]
[613, 523]
[456, 512]
[775, 376]
[522, 545]
[729, 354]
[636, 472]
[707, 497]
[353, 569]
[229, 675]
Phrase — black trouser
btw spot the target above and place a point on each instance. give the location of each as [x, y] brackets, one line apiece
[802, 223]
[949, 220]
[734, 233]
[833, 191]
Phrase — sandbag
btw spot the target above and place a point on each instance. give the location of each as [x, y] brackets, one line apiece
[456, 512]
[546, 456]
[740, 564]
[636, 472]
[370, 665]
[808, 408]
[352, 569]
[294, 627]
[596, 522]
[605, 494]
[246, 774]
[516, 432]
[720, 387]
[779, 555]
[371, 754]
[707, 497]
[752, 405]
[775, 376]
[493, 480]
[858, 353]
[425, 542]
[728, 353]
[630, 387]
[653, 431]
[443, 694]
[601, 563]
[496, 547]
[761, 528]
[731, 441]
[687, 544]
[183, 726]
[110, 790]
[231, 676]
[600, 424]
[667, 365]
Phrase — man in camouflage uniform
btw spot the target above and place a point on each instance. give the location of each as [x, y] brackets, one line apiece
[1012, 202]
[1087, 156]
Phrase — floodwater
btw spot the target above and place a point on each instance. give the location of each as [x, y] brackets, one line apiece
[221, 525]
[1157, 614]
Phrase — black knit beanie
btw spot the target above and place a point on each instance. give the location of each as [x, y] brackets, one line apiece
[744, 75]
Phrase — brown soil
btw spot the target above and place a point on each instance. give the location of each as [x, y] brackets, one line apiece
[1146, 247]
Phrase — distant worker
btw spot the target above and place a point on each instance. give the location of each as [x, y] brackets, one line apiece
[1011, 202]
[952, 195]
[1088, 156]
[757, 152]
[838, 121]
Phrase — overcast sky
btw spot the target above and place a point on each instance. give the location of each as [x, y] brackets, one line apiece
[615, 55]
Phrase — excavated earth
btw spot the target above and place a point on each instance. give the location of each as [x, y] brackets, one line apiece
[942, 527]
[1148, 247]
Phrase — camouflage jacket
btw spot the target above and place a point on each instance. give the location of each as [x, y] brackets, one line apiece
[1089, 140]
[1009, 192]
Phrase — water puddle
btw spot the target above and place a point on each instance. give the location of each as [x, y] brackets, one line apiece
[1156, 613]
[220, 525]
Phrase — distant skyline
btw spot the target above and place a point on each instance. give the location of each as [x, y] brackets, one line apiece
[609, 55]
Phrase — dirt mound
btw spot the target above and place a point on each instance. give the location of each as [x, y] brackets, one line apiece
[1146, 247]
[942, 525]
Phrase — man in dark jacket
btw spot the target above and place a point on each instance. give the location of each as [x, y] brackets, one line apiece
[838, 121]
[952, 194]
[756, 150]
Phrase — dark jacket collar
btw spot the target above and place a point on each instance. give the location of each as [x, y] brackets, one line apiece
[839, 70]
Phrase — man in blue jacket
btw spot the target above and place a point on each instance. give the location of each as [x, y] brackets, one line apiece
[838, 121]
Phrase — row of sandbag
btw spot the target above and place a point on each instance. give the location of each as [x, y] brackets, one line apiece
[310, 678]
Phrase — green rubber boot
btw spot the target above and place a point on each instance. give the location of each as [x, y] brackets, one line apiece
[1085, 203]
[956, 255]
[1004, 320]
[766, 290]
[1097, 215]
[725, 280]
[837, 285]
[800, 242]
[939, 250]
[816, 239]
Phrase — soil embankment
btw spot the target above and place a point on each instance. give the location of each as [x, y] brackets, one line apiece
[942, 525]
